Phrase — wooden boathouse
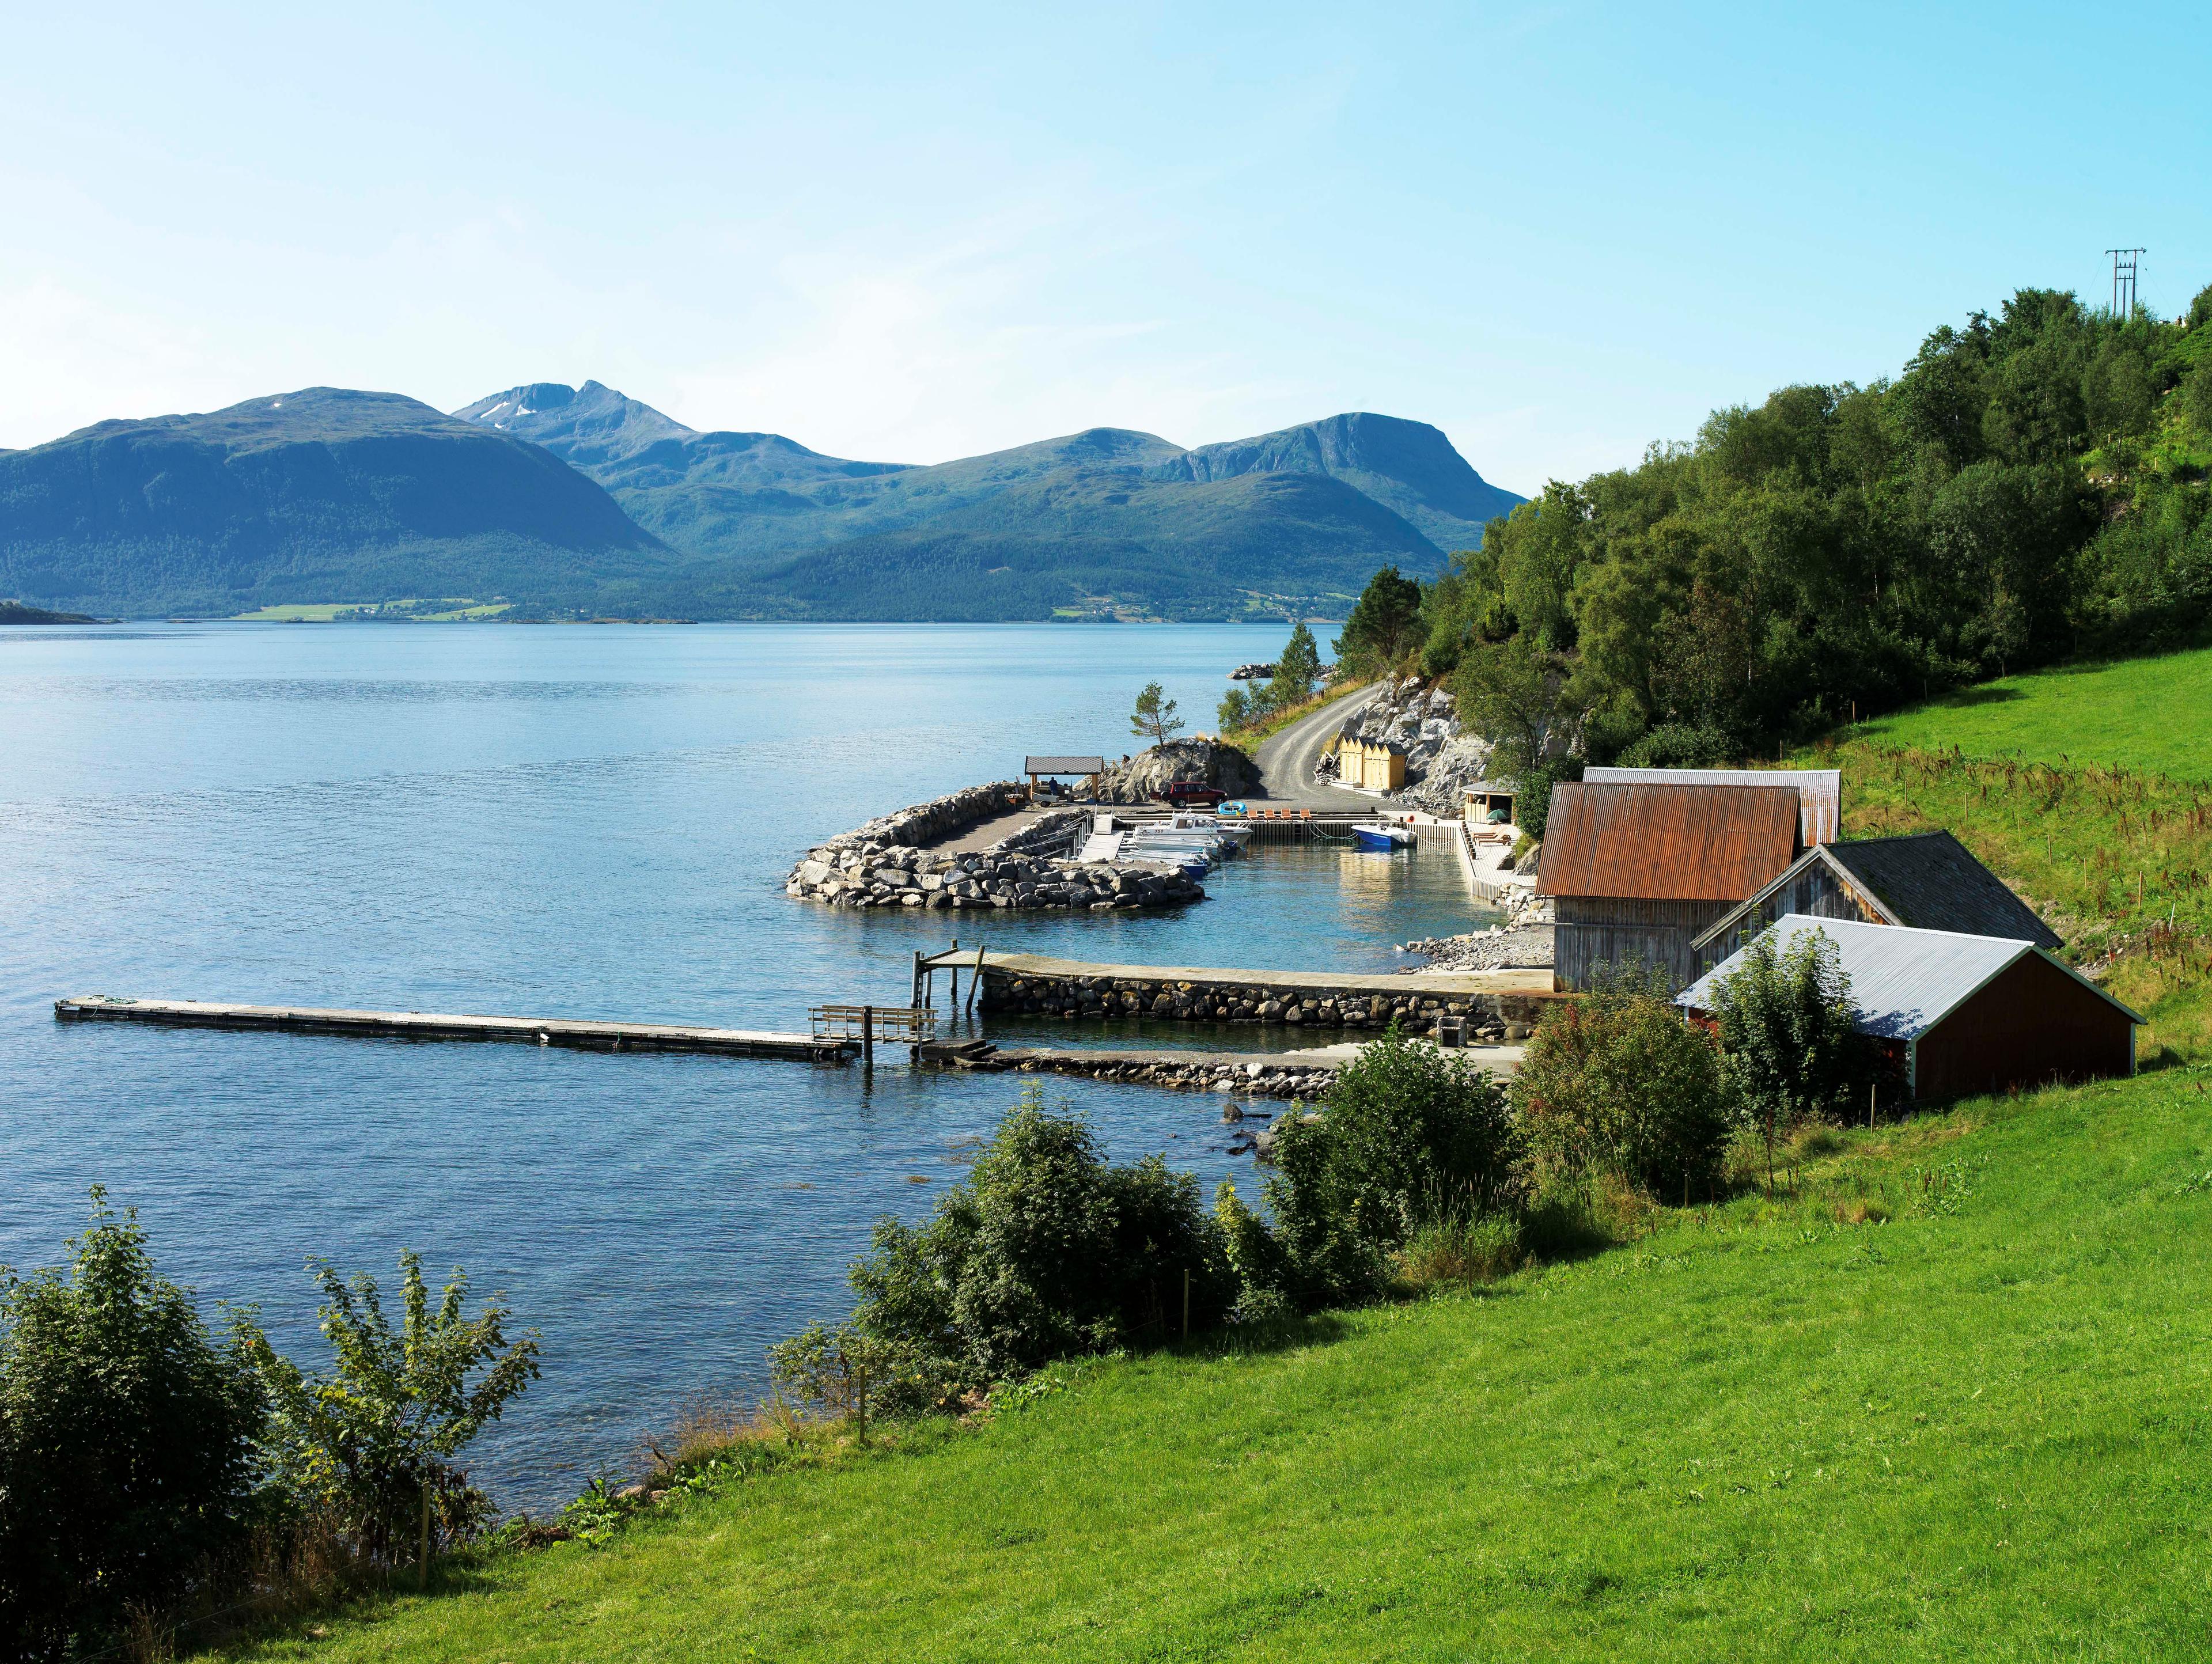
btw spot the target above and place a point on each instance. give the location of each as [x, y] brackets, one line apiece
[1637, 871]
[1958, 1014]
[1922, 881]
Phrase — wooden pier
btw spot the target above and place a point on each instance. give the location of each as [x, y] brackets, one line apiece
[588, 1036]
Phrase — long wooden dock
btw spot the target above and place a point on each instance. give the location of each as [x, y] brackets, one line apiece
[588, 1036]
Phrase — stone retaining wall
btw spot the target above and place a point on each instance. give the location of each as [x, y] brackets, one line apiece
[1490, 1016]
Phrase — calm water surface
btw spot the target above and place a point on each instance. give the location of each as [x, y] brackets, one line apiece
[587, 821]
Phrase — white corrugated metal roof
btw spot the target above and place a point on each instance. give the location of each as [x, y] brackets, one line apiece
[1819, 791]
[1903, 981]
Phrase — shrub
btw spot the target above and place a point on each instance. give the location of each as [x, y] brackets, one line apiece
[1616, 1084]
[1412, 1134]
[1046, 1250]
[1786, 1023]
[127, 1444]
[838, 1369]
[372, 1439]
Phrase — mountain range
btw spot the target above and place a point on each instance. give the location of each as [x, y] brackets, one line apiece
[569, 501]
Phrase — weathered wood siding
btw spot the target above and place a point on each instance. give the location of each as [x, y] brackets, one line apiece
[1816, 892]
[1595, 931]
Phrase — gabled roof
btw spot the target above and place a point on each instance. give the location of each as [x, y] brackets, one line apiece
[1925, 880]
[1819, 791]
[1063, 765]
[1675, 843]
[1904, 981]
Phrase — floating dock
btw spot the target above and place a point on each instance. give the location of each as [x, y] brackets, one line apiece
[592, 1037]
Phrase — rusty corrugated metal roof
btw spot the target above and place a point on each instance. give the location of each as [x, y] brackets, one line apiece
[1819, 791]
[1666, 843]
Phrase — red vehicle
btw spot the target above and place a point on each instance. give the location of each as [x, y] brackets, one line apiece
[1189, 794]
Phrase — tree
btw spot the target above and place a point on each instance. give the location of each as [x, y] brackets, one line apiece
[1385, 623]
[1411, 1134]
[2196, 395]
[1297, 668]
[1615, 1084]
[838, 1369]
[1155, 717]
[1235, 709]
[1785, 1017]
[1047, 1250]
[1520, 698]
[126, 1443]
[376, 1436]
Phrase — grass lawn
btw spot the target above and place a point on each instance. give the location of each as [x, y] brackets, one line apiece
[1953, 1399]
[2140, 714]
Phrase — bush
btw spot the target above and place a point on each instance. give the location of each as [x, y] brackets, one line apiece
[1047, 1250]
[1785, 1023]
[127, 1444]
[370, 1441]
[1616, 1084]
[1412, 1135]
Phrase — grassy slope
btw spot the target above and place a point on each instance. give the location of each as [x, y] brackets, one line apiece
[2140, 714]
[1978, 1431]
[2088, 791]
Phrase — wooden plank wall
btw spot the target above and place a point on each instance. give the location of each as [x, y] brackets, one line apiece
[1595, 931]
[1816, 892]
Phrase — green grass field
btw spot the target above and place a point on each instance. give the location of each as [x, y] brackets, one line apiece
[2139, 714]
[1972, 1424]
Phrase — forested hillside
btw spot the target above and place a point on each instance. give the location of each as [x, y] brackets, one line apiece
[2031, 487]
[323, 494]
[1106, 520]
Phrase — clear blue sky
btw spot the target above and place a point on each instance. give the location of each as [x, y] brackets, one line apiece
[910, 233]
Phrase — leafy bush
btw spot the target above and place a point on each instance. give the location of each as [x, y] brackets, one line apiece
[1786, 1023]
[126, 1443]
[375, 1437]
[839, 1368]
[1047, 1250]
[1616, 1084]
[1412, 1134]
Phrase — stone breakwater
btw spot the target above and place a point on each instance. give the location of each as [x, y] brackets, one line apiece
[876, 866]
[1271, 1078]
[1121, 991]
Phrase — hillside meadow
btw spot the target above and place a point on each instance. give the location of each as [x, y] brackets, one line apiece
[1944, 1396]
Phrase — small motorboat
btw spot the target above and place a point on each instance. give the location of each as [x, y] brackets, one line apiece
[1380, 835]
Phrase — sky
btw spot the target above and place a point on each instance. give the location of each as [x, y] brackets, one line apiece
[902, 234]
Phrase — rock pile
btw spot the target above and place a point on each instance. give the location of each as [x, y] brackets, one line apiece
[1296, 1081]
[1016, 872]
[1198, 762]
[1524, 940]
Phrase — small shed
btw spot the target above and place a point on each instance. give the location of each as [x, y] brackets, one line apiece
[1371, 765]
[1925, 880]
[1061, 769]
[1639, 871]
[1819, 791]
[1962, 1014]
[1489, 803]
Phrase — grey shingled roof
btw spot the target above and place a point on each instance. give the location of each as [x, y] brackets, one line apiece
[1930, 882]
[1063, 765]
[1904, 981]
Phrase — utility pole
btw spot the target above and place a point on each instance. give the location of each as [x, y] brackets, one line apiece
[2123, 281]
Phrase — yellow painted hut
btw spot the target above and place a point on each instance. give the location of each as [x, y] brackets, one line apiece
[1371, 765]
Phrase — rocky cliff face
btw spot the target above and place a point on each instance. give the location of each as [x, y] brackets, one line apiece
[1423, 721]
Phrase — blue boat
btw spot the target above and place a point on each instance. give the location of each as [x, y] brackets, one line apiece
[1382, 837]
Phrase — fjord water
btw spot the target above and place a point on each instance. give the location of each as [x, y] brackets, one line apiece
[574, 822]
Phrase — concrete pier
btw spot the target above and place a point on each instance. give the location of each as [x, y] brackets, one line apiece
[590, 1035]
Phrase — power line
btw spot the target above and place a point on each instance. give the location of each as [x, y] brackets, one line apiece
[2123, 279]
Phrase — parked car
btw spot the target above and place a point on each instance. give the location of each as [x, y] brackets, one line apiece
[1190, 794]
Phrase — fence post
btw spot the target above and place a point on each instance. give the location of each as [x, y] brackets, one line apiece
[424, 1561]
[1186, 1302]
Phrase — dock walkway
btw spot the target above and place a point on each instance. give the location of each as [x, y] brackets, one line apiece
[590, 1035]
